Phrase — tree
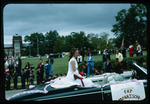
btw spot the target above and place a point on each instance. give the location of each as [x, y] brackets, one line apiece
[131, 25]
[33, 39]
[98, 40]
[59, 45]
[50, 38]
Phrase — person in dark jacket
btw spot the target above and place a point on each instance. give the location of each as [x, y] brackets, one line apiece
[23, 77]
[105, 57]
[38, 74]
[19, 66]
[27, 71]
[118, 66]
[108, 66]
[15, 76]
[41, 68]
[8, 78]
[47, 70]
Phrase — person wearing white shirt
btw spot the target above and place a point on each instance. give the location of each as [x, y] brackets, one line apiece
[138, 49]
[79, 59]
[119, 56]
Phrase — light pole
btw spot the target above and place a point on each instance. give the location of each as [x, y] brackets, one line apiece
[30, 50]
[37, 47]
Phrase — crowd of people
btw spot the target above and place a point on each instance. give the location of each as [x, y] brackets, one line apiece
[120, 54]
[13, 68]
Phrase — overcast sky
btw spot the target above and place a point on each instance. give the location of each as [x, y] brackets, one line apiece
[25, 19]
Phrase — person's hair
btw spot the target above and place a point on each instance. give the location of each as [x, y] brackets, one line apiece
[117, 59]
[89, 54]
[28, 64]
[72, 52]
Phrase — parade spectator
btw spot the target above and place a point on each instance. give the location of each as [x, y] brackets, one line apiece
[88, 51]
[79, 59]
[106, 56]
[96, 72]
[16, 65]
[47, 70]
[19, 66]
[118, 66]
[23, 77]
[119, 56]
[15, 77]
[8, 78]
[82, 53]
[131, 50]
[7, 65]
[108, 65]
[99, 52]
[11, 67]
[41, 68]
[84, 66]
[38, 76]
[51, 62]
[31, 78]
[60, 75]
[27, 69]
[56, 76]
[138, 49]
[102, 71]
[50, 78]
[65, 74]
[90, 64]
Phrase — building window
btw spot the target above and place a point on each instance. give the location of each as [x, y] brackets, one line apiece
[17, 50]
[17, 46]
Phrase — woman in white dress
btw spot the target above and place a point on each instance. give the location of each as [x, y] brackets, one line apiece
[73, 77]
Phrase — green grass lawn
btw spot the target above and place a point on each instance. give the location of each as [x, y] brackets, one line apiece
[60, 65]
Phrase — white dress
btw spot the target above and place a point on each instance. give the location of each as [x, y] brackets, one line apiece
[69, 79]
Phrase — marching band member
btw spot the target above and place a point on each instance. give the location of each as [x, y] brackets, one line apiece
[27, 71]
[41, 69]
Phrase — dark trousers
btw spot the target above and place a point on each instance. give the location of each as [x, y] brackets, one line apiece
[15, 83]
[41, 76]
[38, 80]
[8, 85]
[23, 83]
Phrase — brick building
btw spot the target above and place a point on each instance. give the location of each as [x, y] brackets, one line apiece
[16, 47]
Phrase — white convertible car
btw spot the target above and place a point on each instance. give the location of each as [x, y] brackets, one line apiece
[130, 85]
